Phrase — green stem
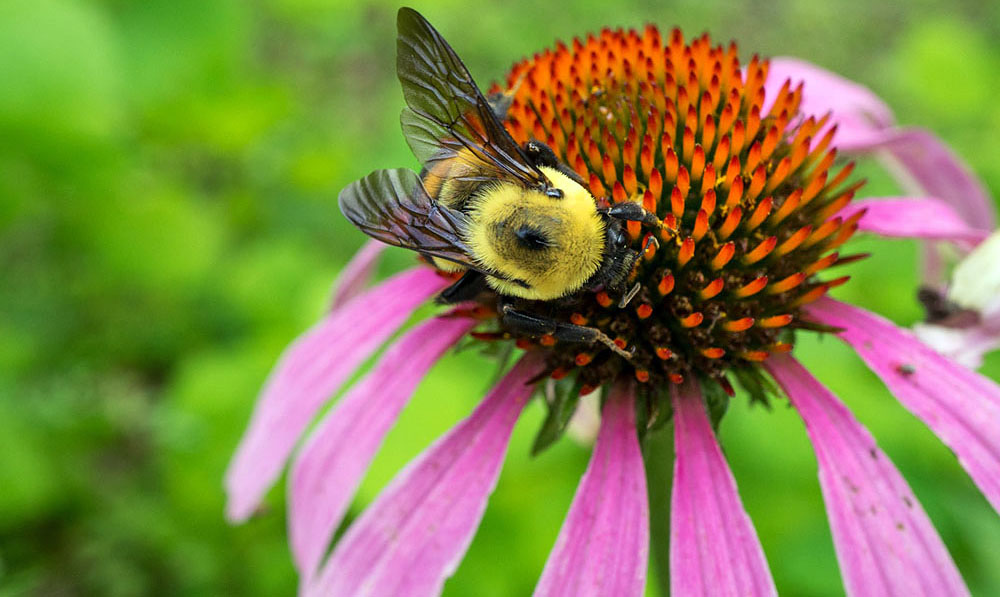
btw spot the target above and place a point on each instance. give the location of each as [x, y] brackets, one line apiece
[659, 457]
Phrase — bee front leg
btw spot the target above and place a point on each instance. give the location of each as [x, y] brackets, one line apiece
[534, 325]
[633, 212]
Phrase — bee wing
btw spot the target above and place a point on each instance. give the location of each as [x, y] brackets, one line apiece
[447, 112]
[393, 207]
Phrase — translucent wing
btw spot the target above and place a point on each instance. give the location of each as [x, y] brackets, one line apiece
[393, 207]
[448, 116]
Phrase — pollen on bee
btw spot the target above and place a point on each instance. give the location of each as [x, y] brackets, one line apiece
[643, 311]
[676, 378]
[663, 353]
[559, 373]
[604, 299]
[547, 340]
[583, 359]
[578, 319]
[713, 352]
[642, 375]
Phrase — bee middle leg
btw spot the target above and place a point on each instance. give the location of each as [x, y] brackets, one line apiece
[535, 325]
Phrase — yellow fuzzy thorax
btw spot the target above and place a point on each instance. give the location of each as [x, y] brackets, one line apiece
[571, 224]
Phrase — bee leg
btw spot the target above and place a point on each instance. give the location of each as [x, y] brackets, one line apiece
[633, 212]
[464, 289]
[541, 154]
[534, 325]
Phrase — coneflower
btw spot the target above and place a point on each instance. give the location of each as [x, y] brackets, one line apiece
[742, 167]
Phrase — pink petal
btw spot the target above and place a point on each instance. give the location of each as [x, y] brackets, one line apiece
[921, 217]
[859, 114]
[330, 466]
[884, 541]
[865, 123]
[413, 536]
[960, 406]
[933, 169]
[357, 274]
[714, 548]
[311, 369]
[604, 541]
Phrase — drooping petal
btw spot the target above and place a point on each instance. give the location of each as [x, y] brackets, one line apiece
[932, 168]
[357, 274]
[714, 548]
[960, 406]
[917, 217]
[413, 536]
[311, 369]
[330, 466]
[604, 541]
[859, 115]
[884, 541]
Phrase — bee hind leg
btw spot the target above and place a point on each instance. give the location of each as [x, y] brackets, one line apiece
[534, 325]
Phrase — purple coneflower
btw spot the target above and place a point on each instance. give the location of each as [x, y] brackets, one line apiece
[739, 160]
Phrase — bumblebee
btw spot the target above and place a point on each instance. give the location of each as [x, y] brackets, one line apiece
[512, 217]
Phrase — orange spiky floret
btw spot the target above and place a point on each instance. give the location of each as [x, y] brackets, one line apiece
[748, 197]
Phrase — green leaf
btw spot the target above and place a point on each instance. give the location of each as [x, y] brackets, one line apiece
[562, 405]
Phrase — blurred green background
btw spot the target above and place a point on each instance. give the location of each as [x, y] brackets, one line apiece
[168, 223]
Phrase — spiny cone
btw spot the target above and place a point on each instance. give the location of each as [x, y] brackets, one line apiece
[748, 200]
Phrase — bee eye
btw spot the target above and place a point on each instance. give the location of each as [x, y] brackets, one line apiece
[554, 193]
[531, 238]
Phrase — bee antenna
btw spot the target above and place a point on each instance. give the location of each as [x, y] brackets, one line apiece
[629, 295]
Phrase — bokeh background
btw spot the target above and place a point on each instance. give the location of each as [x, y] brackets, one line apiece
[168, 223]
